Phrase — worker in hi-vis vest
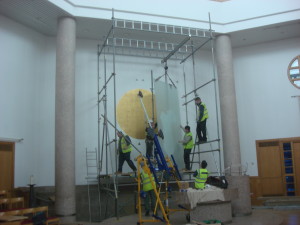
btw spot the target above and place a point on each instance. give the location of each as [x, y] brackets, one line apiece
[124, 149]
[201, 176]
[188, 144]
[148, 189]
[202, 116]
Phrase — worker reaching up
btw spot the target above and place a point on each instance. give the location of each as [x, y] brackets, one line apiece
[188, 144]
[124, 149]
[148, 188]
[149, 140]
[201, 176]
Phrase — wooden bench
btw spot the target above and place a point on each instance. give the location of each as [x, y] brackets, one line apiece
[11, 203]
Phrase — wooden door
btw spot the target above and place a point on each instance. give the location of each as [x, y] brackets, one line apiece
[270, 168]
[296, 148]
[7, 161]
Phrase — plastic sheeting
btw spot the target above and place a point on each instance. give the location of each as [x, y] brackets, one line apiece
[168, 118]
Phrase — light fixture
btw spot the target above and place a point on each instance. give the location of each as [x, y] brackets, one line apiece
[219, 0]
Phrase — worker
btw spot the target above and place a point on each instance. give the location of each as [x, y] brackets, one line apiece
[202, 116]
[124, 149]
[149, 140]
[148, 189]
[150, 132]
[201, 176]
[188, 144]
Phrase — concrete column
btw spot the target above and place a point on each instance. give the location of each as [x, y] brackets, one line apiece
[65, 119]
[229, 119]
[230, 130]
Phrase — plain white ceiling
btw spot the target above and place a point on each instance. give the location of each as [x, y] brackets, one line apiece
[42, 15]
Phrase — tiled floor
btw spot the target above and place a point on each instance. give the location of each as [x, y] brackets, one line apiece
[290, 217]
[258, 217]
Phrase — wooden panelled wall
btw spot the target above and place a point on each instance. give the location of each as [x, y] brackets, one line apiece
[7, 161]
[278, 169]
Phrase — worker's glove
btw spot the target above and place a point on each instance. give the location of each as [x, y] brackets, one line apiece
[161, 134]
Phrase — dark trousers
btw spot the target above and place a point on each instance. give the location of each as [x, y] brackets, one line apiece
[125, 157]
[150, 200]
[186, 157]
[201, 130]
[149, 148]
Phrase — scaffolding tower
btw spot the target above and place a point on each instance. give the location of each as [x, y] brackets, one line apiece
[185, 43]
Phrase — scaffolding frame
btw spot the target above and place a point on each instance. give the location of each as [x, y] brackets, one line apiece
[115, 45]
[214, 80]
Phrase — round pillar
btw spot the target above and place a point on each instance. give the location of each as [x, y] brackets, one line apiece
[65, 205]
[229, 119]
[230, 130]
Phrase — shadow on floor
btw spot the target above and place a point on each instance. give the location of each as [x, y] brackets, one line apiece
[258, 217]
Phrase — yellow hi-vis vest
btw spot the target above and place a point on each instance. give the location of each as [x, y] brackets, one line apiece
[201, 178]
[205, 113]
[147, 186]
[190, 144]
[125, 148]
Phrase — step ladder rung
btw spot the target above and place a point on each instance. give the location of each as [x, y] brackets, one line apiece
[207, 142]
[90, 177]
[193, 153]
[107, 189]
[214, 150]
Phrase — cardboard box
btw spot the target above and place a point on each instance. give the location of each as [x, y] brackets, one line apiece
[183, 185]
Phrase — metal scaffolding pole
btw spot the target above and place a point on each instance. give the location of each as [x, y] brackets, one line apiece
[104, 43]
[195, 51]
[176, 49]
[215, 88]
[115, 104]
[186, 111]
[198, 88]
[152, 95]
[98, 100]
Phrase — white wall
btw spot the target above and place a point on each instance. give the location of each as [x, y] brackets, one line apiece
[21, 96]
[265, 107]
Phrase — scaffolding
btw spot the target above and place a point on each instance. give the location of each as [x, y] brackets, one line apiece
[196, 149]
[181, 48]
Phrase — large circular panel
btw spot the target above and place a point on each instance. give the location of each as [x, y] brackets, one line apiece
[130, 113]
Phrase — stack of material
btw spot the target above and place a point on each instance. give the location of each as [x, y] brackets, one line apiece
[192, 196]
[183, 186]
[209, 203]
